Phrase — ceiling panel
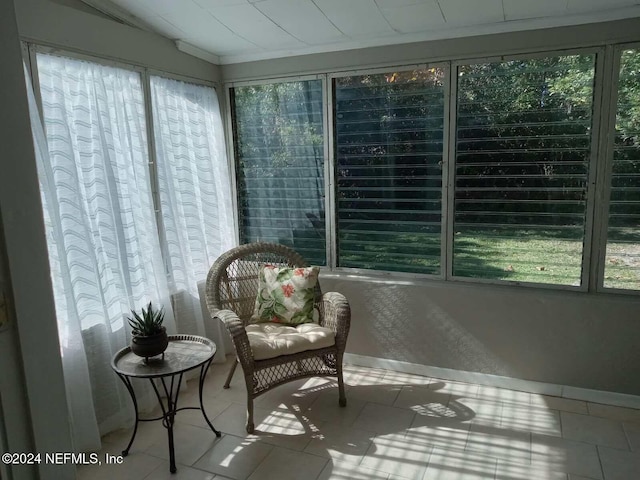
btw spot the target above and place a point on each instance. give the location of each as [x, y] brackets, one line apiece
[168, 29]
[519, 9]
[472, 12]
[399, 3]
[209, 4]
[245, 30]
[203, 30]
[251, 24]
[413, 18]
[302, 19]
[355, 18]
[575, 6]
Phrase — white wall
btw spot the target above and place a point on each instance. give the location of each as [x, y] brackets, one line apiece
[28, 267]
[578, 339]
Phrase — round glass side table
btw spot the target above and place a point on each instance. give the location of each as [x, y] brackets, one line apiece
[184, 353]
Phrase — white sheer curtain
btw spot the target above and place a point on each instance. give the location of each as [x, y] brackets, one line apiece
[103, 241]
[195, 196]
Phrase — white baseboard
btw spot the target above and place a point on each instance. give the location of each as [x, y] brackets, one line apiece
[565, 391]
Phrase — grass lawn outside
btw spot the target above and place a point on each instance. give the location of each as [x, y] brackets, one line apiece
[506, 255]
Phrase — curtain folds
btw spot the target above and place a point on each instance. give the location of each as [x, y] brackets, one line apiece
[195, 197]
[104, 251]
[107, 253]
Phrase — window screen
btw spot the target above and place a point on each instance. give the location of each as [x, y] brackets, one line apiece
[279, 148]
[622, 262]
[522, 155]
[388, 143]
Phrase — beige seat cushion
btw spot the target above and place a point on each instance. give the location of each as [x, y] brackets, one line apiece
[269, 340]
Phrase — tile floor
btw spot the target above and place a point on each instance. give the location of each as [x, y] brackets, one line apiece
[395, 426]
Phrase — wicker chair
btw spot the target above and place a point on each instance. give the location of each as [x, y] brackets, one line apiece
[232, 287]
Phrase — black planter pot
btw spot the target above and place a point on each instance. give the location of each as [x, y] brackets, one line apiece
[150, 346]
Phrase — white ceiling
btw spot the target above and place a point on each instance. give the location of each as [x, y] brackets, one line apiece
[232, 31]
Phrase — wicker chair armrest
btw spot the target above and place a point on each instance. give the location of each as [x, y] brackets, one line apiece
[238, 335]
[335, 314]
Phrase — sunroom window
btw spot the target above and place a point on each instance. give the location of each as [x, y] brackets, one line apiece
[523, 147]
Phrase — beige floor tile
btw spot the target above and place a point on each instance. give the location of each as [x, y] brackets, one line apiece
[363, 376]
[500, 443]
[190, 443]
[349, 471]
[135, 466]
[562, 455]
[614, 413]
[285, 429]
[423, 400]
[445, 464]
[399, 378]
[456, 389]
[326, 409]
[382, 394]
[233, 420]
[301, 393]
[148, 433]
[397, 455]
[212, 406]
[340, 444]
[284, 464]
[234, 457]
[594, 430]
[632, 430]
[508, 471]
[531, 419]
[479, 411]
[619, 465]
[559, 403]
[396, 426]
[183, 473]
[383, 419]
[453, 437]
[507, 397]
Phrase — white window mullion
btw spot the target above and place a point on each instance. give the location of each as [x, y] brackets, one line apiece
[330, 175]
[603, 166]
[449, 171]
[153, 170]
[600, 104]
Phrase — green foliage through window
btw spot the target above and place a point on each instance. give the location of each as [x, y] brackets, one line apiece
[388, 144]
[279, 144]
[622, 262]
[522, 158]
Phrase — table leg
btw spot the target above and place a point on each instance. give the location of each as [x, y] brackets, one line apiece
[132, 393]
[203, 374]
[168, 414]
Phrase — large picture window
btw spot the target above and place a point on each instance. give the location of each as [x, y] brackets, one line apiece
[279, 145]
[522, 156]
[622, 262]
[388, 150]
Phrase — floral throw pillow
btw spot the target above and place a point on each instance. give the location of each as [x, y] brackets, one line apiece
[285, 295]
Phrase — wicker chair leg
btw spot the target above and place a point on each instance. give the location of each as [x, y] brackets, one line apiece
[342, 398]
[231, 372]
[250, 426]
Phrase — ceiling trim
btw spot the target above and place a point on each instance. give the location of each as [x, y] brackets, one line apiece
[197, 52]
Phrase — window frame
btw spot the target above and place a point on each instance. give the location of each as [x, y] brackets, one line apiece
[234, 165]
[607, 133]
[446, 67]
[591, 193]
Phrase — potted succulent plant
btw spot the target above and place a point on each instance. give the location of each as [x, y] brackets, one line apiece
[148, 336]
